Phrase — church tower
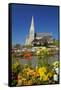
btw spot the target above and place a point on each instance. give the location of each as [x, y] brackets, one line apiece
[31, 33]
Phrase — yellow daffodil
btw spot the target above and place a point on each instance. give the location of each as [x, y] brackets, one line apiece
[50, 74]
[42, 71]
[45, 78]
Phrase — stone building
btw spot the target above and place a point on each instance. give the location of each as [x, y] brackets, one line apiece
[38, 39]
[42, 39]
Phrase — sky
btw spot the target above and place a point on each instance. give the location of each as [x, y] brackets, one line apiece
[46, 19]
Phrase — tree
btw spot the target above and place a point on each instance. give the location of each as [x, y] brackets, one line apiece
[55, 42]
[28, 46]
[18, 46]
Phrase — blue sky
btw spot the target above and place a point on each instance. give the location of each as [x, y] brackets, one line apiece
[45, 20]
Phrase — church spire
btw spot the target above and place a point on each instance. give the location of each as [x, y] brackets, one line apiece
[31, 33]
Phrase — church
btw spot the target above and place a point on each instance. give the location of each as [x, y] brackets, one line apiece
[38, 39]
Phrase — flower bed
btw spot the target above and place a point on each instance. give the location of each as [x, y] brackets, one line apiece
[43, 73]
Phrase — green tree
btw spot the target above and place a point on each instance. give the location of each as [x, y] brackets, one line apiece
[55, 42]
[18, 46]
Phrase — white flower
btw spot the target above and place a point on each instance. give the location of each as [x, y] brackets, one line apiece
[55, 77]
[57, 70]
[38, 52]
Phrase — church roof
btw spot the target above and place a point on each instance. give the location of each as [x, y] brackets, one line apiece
[43, 34]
